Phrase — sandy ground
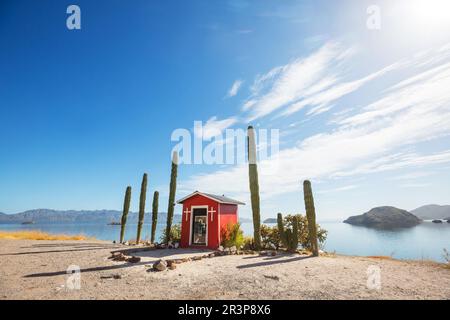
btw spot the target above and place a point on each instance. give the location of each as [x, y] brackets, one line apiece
[37, 270]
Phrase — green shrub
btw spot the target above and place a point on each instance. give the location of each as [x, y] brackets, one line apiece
[175, 234]
[270, 237]
[232, 235]
[302, 224]
[249, 243]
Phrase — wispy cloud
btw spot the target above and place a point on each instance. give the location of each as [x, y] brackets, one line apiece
[234, 88]
[214, 127]
[413, 175]
[315, 81]
[339, 189]
[375, 138]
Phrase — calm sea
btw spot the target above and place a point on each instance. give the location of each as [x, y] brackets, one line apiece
[425, 241]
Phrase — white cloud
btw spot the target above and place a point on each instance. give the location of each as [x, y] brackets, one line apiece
[234, 88]
[286, 84]
[214, 127]
[371, 139]
[339, 189]
[413, 175]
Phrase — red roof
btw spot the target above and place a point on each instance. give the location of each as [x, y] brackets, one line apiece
[220, 199]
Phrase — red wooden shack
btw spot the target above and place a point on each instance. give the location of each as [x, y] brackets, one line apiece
[203, 217]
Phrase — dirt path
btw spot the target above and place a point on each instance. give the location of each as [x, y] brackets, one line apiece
[37, 270]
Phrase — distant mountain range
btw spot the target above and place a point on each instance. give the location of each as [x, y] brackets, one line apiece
[75, 216]
[432, 211]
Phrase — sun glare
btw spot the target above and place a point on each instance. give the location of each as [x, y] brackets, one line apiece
[429, 14]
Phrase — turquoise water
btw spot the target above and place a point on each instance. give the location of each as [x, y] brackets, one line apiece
[425, 241]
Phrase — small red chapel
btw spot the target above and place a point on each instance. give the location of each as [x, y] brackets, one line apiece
[203, 217]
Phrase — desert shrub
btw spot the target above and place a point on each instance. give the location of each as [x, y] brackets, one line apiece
[303, 230]
[175, 234]
[248, 244]
[232, 235]
[270, 237]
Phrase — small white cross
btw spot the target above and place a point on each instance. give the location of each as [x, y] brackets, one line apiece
[186, 213]
[212, 211]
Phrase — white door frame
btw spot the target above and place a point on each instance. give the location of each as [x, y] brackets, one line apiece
[191, 229]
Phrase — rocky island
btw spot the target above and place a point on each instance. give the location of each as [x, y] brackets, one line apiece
[385, 218]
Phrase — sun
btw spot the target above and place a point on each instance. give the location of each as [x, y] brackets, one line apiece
[429, 14]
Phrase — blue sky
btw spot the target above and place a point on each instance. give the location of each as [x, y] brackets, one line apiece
[364, 114]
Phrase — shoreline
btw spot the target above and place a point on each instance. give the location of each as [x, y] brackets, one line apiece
[37, 269]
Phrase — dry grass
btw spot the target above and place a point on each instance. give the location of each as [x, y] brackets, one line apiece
[37, 235]
[381, 257]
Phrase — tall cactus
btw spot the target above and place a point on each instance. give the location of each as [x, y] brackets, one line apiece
[281, 228]
[126, 209]
[294, 240]
[311, 215]
[254, 186]
[172, 191]
[288, 237]
[154, 215]
[141, 207]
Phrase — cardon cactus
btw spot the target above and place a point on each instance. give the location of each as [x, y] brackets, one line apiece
[141, 207]
[172, 191]
[311, 216]
[126, 209]
[288, 237]
[280, 226]
[254, 186]
[154, 215]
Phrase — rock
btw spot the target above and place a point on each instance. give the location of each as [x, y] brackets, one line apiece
[186, 259]
[134, 259]
[385, 218]
[437, 221]
[176, 245]
[271, 277]
[170, 262]
[178, 261]
[233, 249]
[197, 258]
[273, 253]
[119, 256]
[114, 241]
[220, 248]
[173, 266]
[126, 243]
[113, 276]
[211, 255]
[160, 265]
